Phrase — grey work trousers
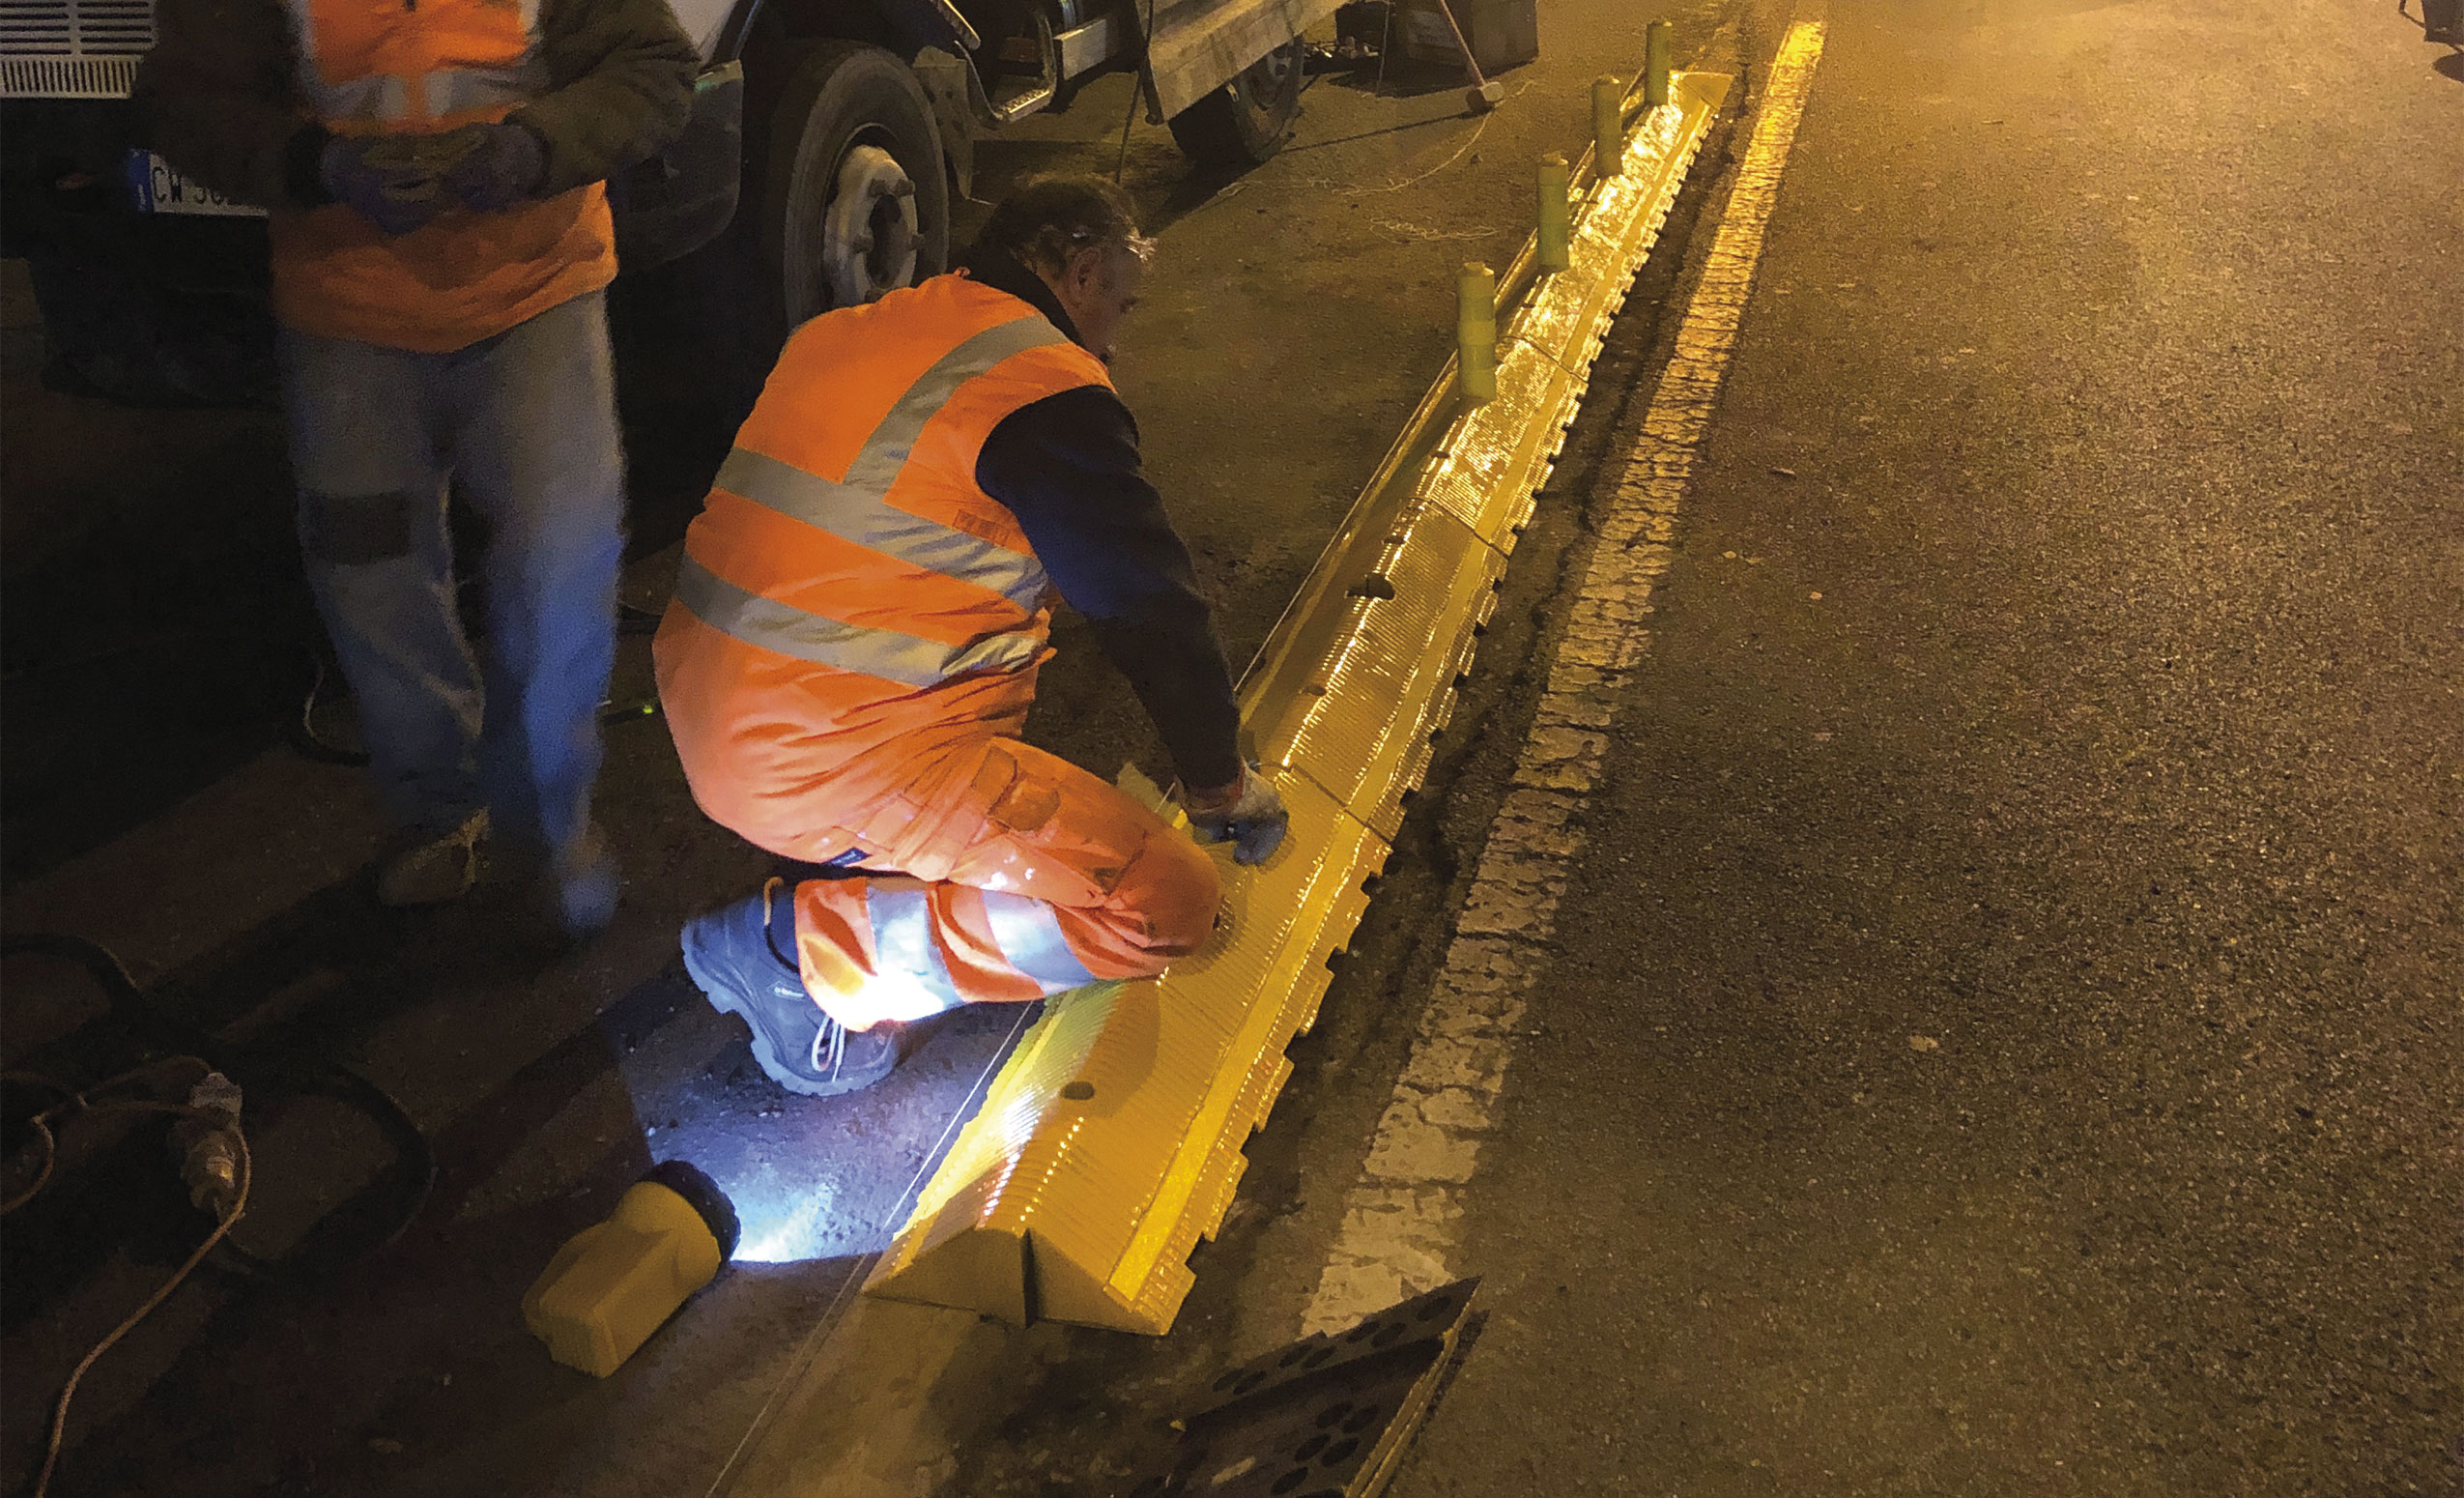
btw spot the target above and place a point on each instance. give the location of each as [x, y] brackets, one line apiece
[525, 425]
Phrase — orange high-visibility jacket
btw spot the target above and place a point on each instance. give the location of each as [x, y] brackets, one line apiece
[851, 607]
[411, 66]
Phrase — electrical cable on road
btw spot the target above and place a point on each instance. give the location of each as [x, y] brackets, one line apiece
[78, 1104]
[305, 739]
[1121, 163]
[312, 744]
[266, 1071]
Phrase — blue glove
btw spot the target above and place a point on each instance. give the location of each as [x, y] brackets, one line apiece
[383, 180]
[501, 165]
[1248, 812]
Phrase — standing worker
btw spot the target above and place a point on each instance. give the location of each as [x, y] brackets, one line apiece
[860, 614]
[441, 240]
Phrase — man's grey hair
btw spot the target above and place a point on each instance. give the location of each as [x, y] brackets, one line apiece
[1046, 222]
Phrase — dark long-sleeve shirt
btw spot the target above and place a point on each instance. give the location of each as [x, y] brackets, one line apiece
[219, 94]
[1068, 467]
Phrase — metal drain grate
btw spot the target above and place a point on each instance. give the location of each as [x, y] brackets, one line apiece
[1327, 1417]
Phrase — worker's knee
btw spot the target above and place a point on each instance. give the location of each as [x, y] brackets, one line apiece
[1173, 888]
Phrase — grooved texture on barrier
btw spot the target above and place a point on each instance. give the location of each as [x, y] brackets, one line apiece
[1111, 1140]
[1363, 726]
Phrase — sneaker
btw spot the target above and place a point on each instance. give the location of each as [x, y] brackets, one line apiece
[425, 867]
[734, 961]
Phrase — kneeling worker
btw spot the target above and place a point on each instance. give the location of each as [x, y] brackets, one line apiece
[863, 606]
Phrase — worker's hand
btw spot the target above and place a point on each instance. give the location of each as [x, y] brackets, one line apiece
[1247, 811]
[501, 165]
[383, 179]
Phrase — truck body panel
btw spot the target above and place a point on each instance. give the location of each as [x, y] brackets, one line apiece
[1200, 45]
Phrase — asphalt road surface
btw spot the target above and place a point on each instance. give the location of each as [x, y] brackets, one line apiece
[2003, 1035]
[1999, 1032]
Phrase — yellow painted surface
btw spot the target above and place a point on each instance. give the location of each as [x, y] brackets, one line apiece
[1111, 1140]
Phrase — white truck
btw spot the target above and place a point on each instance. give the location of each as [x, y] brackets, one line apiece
[844, 125]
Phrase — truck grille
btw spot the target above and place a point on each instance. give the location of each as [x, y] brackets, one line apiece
[73, 49]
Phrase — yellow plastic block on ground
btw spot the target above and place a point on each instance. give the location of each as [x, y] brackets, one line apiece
[613, 1284]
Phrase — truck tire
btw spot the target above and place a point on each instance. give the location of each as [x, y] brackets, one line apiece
[856, 201]
[1246, 121]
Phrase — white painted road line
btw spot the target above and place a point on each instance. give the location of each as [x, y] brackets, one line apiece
[1402, 1221]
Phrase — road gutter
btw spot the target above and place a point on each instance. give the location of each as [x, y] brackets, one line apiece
[1403, 1218]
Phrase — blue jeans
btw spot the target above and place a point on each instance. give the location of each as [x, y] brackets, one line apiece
[525, 425]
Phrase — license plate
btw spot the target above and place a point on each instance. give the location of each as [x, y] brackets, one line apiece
[158, 188]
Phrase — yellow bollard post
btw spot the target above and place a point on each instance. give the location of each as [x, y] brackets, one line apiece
[1475, 333]
[1554, 252]
[1656, 65]
[1608, 128]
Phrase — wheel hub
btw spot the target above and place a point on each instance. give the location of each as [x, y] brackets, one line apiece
[869, 231]
[1264, 79]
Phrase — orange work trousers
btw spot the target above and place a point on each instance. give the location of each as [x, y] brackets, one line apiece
[1019, 875]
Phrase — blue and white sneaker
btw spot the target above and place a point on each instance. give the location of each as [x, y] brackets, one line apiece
[744, 972]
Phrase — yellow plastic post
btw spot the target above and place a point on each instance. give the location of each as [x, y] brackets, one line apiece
[1475, 333]
[1608, 127]
[1556, 181]
[1656, 65]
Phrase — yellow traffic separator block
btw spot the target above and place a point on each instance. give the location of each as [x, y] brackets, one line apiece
[1364, 728]
[1498, 453]
[1111, 1140]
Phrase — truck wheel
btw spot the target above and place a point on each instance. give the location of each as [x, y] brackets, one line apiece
[1244, 122]
[856, 203]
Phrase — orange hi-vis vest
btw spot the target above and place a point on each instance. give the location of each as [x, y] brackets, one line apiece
[851, 607]
[415, 67]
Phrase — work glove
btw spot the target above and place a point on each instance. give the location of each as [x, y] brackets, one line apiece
[387, 180]
[1248, 811]
[500, 166]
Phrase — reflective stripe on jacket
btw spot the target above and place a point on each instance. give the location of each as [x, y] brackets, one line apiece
[850, 604]
[389, 67]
